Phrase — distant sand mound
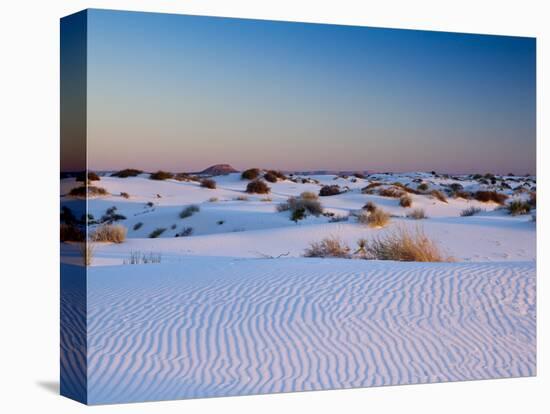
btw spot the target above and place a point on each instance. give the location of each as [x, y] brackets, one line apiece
[219, 169]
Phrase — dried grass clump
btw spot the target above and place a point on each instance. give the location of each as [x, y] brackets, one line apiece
[137, 257]
[329, 190]
[405, 201]
[250, 174]
[490, 196]
[417, 214]
[328, 247]
[518, 207]
[90, 191]
[462, 194]
[189, 211]
[86, 250]
[257, 187]
[392, 192]
[161, 175]
[470, 211]
[109, 233]
[128, 172]
[71, 232]
[377, 218]
[208, 183]
[439, 195]
[405, 246]
[300, 206]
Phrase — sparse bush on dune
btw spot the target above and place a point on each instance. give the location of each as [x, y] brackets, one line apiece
[439, 195]
[392, 192]
[370, 206]
[161, 175]
[71, 232]
[90, 191]
[300, 206]
[369, 189]
[423, 187]
[417, 214]
[328, 247]
[359, 175]
[185, 232]
[404, 245]
[329, 190]
[208, 183]
[278, 174]
[189, 211]
[124, 194]
[109, 233]
[157, 232]
[462, 194]
[470, 211]
[518, 207]
[242, 198]
[111, 216]
[250, 174]
[128, 172]
[213, 199]
[376, 218]
[187, 177]
[270, 177]
[490, 196]
[257, 187]
[92, 176]
[137, 226]
[405, 201]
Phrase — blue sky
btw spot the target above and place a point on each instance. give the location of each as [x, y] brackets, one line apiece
[184, 92]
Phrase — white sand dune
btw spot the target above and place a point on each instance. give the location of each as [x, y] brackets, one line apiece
[227, 326]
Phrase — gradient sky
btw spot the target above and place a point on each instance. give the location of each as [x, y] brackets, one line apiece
[183, 92]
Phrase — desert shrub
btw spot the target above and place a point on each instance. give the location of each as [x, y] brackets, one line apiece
[456, 187]
[300, 204]
[92, 176]
[298, 214]
[278, 174]
[161, 175]
[462, 194]
[309, 195]
[404, 245]
[518, 207]
[488, 196]
[328, 247]
[390, 192]
[242, 198]
[370, 206]
[208, 183]
[417, 214]
[109, 233]
[376, 218]
[128, 172]
[250, 174]
[439, 195]
[533, 199]
[157, 232]
[470, 211]
[137, 226]
[149, 204]
[359, 175]
[111, 216]
[258, 187]
[185, 232]
[405, 201]
[187, 177]
[71, 232]
[423, 187]
[90, 191]
[124, 195]
[213, 199]
[189, 211]
[86, 250]
[272, 178]
[329, 190]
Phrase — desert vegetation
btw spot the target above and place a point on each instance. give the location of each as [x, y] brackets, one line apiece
[257, 187]
[439, 196]
[71, 233]
[189, 211]
[417, 214]
[329, 190]
[377, 218]
[405, 201]
[519, 207]
[250, 174]
[137, 257]
[305, 203]
[157, 232]
[127, 172]
[113, 233]
[490, 196]
[161, 175]
[208, 183]
[470, 211]
[90, 191]
[328, 247]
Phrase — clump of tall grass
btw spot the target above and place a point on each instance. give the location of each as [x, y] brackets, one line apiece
[307, 202]
[137, 257]
[109, 233]
[392, 192]
[369, 206]
[189, 211]
[406, 246]
[488, 196]
[328, 247]
[439, 195]
[417, 214]
[377, 218]
[405, 201]
[519, 207]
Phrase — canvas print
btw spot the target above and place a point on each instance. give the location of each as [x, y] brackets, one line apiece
[254, 207]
